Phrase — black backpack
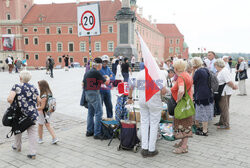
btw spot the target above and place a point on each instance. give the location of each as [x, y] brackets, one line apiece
[213, 82]
[6, 61]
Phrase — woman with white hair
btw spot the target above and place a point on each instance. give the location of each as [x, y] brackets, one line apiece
[182, 127]
[25, 95]
[227, 85]
[241, 76]
[203, 97]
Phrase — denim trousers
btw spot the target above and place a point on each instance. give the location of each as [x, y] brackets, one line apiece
[106, 98]
[125, 76]
[95, 112]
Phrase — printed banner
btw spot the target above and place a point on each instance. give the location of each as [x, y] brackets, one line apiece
[8, 41]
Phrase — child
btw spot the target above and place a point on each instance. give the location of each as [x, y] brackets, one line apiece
[44, 115]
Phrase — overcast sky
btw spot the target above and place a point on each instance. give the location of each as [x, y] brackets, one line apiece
[218, 25]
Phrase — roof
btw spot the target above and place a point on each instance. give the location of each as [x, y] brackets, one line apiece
[169, 30]
[147, 23]
[67, 12]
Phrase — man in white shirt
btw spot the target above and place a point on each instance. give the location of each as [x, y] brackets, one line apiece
[210, 61]
[133, 63]
[10, 63]
[226, 60]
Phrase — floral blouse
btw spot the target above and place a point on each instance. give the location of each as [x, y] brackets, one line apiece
[27, 99]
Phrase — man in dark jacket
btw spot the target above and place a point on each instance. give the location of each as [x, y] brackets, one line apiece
[51, 66]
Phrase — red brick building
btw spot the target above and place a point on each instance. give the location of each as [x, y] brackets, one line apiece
[51, 29]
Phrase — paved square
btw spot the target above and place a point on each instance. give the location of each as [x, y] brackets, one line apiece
[222, 148]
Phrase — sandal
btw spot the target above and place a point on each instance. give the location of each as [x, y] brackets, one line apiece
[180, 150]
[201, 133]
[177, 145]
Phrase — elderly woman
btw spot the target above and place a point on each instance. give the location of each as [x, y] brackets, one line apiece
[183, 126]
[225, 81]
[203, 96]
[241, 76]
[26, 98]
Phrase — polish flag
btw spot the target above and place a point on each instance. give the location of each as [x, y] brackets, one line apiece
[152, 71]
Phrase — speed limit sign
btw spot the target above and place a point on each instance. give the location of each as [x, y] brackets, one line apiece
[88, 19]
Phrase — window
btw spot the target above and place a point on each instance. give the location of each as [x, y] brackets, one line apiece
[85, 59]
[59, 47]
[111, 46]
[35, 29]
[98, 46]
[171, 50]
[71, 59]
[47, 30]
[70, 30]
[26, 40]
[171, 41]
[36, 56]
[36, 40]
[60, 59]
[110, 28]
[177, 50]
[27, 56]
[48, 47]
[83, 46]
[9, 31]
[71, 47]
[25, 29]
[177, 41]
[8, 16]
[25, 6]
[59, 31]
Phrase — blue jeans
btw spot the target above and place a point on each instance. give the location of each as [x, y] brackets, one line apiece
[125, 76]
[93, 98]
[106, 98]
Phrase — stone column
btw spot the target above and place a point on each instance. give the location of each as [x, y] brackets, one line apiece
[125, 18]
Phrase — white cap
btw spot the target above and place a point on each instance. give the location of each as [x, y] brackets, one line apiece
[105, 58]
[225, 57]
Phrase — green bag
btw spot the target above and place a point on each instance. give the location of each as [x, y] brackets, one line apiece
[185, 107]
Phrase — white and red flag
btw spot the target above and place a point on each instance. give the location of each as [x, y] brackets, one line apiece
[152, 71]
[8, 41]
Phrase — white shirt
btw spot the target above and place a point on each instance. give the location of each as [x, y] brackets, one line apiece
[133, 60]
[210, 65]
[227, 66]
[165, 66]
[118, 75]
[10, 61]
[224, 76]
[139, 83]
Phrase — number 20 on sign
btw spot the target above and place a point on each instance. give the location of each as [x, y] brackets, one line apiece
[88, 18]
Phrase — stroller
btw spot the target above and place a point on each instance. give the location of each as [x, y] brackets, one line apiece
[128, 135]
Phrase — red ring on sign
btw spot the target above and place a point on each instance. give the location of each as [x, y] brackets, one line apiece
[93, 20]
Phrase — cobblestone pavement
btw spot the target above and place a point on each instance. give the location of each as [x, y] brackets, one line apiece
[222, 148]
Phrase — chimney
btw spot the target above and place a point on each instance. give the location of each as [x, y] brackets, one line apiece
[150, 18]
[141, 11]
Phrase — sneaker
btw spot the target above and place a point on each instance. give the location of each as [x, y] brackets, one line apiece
[152, 154]
[15, 148]
[88, 134]
[31, 156]
[144, 153]
[40, 141]
[98, 137]
[54, 141]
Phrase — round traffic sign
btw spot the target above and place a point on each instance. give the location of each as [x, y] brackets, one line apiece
[88, 20]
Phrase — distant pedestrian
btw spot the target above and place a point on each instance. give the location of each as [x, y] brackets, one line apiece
[133, 63]
[44, 114]
[203, 97]
[230, 62]
[51, 66]
[91, 82]
[27, 97]
[118, 75]
[10, 63]
[241, 76]
[141, 65]
[18, 64]
[125, 70]
[66, 61]
[225, 82]
[226, 60]
[114, 65]
[47, 65]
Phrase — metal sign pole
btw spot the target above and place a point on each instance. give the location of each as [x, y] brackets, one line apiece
[90, 53]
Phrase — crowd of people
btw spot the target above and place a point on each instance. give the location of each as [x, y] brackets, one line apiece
[177, 75]
[17, 63]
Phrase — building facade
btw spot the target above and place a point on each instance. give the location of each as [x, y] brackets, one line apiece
[51, 30]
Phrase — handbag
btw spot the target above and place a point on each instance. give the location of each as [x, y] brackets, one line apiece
[185, 107]
[243, 75]
[171, 104]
